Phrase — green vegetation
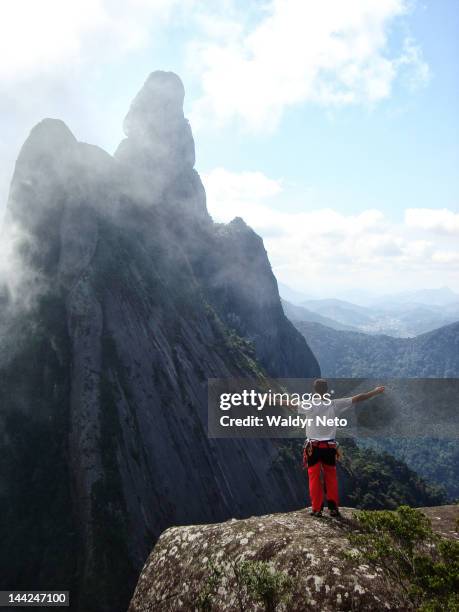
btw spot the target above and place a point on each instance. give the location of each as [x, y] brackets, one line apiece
[255, 582]
[264, 583]
[377, 480]
[240, 349]
[421, 568]
[209, 589]
[345, 354]
[369, 480]
[435, 460]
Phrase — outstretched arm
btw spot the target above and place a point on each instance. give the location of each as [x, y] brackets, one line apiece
[364, 396]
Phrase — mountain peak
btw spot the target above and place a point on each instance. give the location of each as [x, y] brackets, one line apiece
[159, 149]
[49, 137]
[44, 161]
[158, 103]
[53, 128]
[238, 223]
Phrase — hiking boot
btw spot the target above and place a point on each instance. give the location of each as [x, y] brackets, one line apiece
[333, 508]
[315, 513]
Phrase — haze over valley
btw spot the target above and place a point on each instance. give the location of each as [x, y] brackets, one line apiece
[402, 315]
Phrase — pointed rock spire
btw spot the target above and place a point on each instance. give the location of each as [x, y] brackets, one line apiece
[159, 147]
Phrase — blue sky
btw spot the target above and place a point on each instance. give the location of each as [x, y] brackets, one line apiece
[331, 127]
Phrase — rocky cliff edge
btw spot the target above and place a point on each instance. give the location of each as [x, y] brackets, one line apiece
[313, 552]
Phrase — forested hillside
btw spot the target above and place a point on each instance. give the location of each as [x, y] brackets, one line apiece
[347, 353]
[435, 354]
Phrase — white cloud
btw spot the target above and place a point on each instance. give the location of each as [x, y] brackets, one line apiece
[418, 71]
[39, 34]
[446, 257]
[74, 59]
[38, 37]
[252, 59]
[224, 187]
[433, 219]
[348, 250]
[329, 52]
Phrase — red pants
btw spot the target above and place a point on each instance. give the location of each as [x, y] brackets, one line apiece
[322, 459]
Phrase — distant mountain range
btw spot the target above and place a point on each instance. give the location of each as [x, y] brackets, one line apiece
[292, 295]
[343, 353]
[400, 318]
[300, 313]
[442, 296]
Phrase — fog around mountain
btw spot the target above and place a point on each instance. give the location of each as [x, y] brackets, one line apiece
[121, 298]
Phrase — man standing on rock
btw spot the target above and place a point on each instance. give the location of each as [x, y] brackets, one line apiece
[321, 448]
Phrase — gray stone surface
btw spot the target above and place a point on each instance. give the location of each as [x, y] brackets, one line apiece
[310, 550]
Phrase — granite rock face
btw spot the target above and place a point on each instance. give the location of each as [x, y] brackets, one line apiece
[158, 152]
[313, 552]
[125, 299]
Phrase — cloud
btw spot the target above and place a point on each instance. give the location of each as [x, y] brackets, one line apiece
[331, 53]
[433, 220]
[446, 257]
[251, 60]
[417, 70]
[231, 194]
[40, 34]
[39, 37]
[79, 60]
[22, 285]
[343, 250]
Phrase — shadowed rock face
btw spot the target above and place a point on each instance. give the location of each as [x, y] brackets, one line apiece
[126, 299]
[312, 551]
